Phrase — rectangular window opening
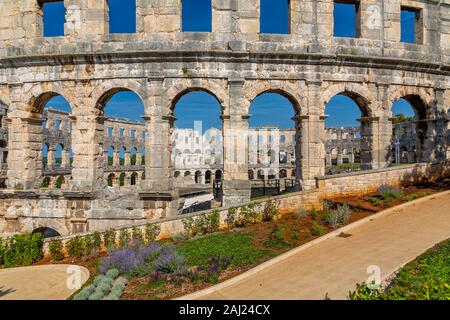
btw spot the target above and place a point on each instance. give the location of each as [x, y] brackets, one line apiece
[275, 17]
[122, 16]
[411, 25]
[196, 16]
[54, 18]
[347, 19]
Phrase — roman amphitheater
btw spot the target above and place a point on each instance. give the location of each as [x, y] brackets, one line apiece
[81, 171]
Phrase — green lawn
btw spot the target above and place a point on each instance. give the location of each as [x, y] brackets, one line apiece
[426, 278]
[236, 244]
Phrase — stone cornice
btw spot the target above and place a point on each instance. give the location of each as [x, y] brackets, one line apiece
[288, 58]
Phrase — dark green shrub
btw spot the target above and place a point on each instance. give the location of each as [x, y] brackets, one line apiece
[270, 211]
[152, 231]
[56, 249]
[92, 244]
[2, 250]
[202, 224]
[124, 238]
[23, 250]
[231, 217]
[109, 239]
[136, 234]
[76, 247]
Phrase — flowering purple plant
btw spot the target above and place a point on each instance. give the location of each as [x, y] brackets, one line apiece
[134, 260]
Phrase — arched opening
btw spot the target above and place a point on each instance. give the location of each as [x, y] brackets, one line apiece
[133, 178]
[122, 154]
[196, 135]
[56, 153]
[283, 173]
[251, 175]
[124, 112]
[408, 131]
[60, 182]
[195, 20]
[261, 175]
[198, 177]
[348, 112]
[176, 174]
[122, 179]
[110, 156]
[133, 155]
[218, 175]
[111, 180]
[207, 177]
[59, 155]
[47, 232]
[187, 174]
[272, 120]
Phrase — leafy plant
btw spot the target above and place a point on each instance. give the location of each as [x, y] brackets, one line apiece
[301, 213]
[22, 250]
[56, 249]
[92, 243]
[343, 214]
[109, 239]
[277, 238]
[76, 247]
[389, 193]
[375, 201]
[137, 235]
[152, 231]
[124, 238]
[270, 211]
[314, 214]
[232, 215]
[317, 229]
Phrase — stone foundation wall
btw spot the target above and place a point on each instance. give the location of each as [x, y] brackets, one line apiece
[369, 181]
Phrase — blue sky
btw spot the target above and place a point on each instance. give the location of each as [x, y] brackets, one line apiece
[268, 109]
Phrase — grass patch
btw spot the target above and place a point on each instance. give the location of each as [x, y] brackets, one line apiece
[426, 278]
[238, 244]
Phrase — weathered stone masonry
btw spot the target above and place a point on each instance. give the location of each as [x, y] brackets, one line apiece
[235, 63]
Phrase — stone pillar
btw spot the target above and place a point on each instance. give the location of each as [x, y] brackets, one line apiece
[375, 142]
[158, 168]
[127, 160]
[51, 162]
[87, 144]
[138, 158]
[236, 186]
[65, 158]
[309, 149]
[339, 158]
[24, 150]
[116, 158]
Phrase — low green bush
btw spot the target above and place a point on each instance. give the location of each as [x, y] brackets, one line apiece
[232, 215]
[124, 238]
[112, 274]
[92, 244]
[137, 235]
[375, 201]
[270, 211]
[389, 193]
[76, 247]
[55, 248]
[109, 239]
[317, 229]
[202, 224]
[22, 250]
[2, 250]
[152, 231]
[302, 213]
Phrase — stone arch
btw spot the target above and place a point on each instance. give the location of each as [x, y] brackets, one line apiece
[40, 94]
[102, 93]
[111, 179]
[360, 94]
[218, 89]
[421, 99]
[253, 89]
[47, 231]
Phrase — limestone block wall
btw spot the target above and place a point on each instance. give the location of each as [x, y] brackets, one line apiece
[365, 182]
